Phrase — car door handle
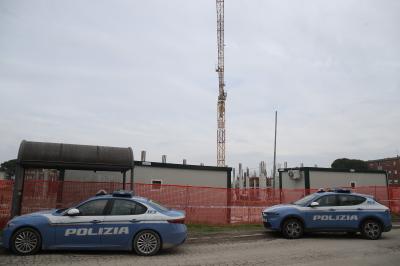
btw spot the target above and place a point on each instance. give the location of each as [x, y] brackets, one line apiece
[95, 221]
[134, 221]
[360, 209]
[332, 209]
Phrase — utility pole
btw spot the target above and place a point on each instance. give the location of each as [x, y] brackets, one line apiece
[221, 86]
[274, 167]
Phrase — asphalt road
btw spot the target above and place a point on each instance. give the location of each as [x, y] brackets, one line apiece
[261, 249]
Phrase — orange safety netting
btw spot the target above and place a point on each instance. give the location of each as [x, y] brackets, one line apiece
[202, 204]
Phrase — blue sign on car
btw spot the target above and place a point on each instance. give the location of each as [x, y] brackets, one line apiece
[117, 221]
[337, 210]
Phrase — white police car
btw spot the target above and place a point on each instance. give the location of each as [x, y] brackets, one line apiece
[117, 221]
[338, 210]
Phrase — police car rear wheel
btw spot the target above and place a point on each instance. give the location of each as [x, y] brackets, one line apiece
[371, 229]
[147, 243]
[292, 228]
[26, 241]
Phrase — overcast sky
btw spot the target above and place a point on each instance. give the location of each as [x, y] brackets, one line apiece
[142, 74]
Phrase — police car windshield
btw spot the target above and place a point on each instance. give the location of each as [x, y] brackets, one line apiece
[61, 210]
[305, 200]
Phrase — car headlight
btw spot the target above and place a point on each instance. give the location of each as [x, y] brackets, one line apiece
[271, 213]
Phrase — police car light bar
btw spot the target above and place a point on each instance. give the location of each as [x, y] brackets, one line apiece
[122, 194]
[341, 190]
[337, 190]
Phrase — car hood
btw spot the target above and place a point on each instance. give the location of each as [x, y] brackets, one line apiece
[278, 207]
[38, 213]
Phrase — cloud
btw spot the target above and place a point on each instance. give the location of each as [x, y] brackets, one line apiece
[141, 74]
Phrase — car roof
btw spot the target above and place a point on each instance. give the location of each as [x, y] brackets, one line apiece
[342, 193]
[111, 196]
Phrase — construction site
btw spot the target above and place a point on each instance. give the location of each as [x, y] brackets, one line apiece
[217, 132]
[218, 194]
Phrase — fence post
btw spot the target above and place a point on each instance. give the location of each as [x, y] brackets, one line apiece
[132, 177]
[187, 201]
[228, 205]
[18, 191]
[60, 189]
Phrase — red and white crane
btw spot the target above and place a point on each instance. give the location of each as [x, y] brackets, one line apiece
[221, 85]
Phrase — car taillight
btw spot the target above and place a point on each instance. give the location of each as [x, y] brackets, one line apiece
[177, 221]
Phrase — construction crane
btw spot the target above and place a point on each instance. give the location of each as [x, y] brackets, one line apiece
[221, 85]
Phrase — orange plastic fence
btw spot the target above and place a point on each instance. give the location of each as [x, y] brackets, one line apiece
[5, 201]
[201, 204]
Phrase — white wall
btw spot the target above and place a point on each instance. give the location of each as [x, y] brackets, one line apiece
[173, 176]
[325, 179]
[145, 175]
[336, 179]
[290, 183]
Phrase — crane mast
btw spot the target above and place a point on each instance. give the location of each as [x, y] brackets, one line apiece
[221, 86]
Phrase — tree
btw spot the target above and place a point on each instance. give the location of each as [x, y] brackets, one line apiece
[9, 167]
[345, 163]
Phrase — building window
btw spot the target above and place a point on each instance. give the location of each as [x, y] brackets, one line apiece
[395, 172]
[394, 163]
[379, 167]
[390, 172]
[156, 184]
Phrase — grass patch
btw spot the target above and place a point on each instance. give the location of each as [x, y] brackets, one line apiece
[209, 229]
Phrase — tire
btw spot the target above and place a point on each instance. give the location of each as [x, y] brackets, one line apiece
[371, 229]
[26, 241]
[292, 228]
[147, 243]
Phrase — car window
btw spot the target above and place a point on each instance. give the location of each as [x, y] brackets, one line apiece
[330, 200]
[127, 207]
[92, 208]
[348, 200]
[158, 206]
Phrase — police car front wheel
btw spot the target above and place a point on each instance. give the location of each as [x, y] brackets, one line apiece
[371, 229]
[147, 243]
[26, 241]
[292, 228]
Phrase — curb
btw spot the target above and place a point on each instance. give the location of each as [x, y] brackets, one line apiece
[219, 239]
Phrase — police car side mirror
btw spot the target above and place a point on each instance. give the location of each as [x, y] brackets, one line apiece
[314, 204]
[73, 212]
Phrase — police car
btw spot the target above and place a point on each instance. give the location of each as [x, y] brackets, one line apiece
[117, 221]
[337, 210]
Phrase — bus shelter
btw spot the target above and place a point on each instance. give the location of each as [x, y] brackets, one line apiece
[61, 156]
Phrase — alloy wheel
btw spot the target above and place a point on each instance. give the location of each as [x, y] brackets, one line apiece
[26, 241]
[147, 243]
[372, 230]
